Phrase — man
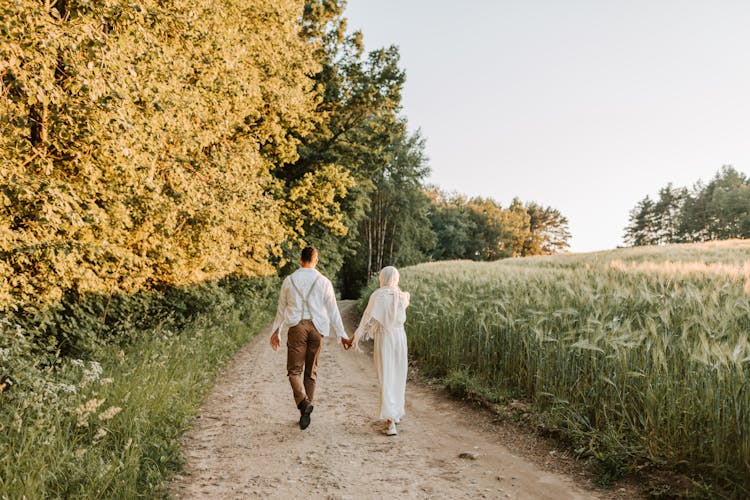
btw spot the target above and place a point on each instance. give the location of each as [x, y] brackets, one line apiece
[307, 310]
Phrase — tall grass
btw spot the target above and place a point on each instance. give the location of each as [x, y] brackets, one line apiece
[635, 363]
[109, 426]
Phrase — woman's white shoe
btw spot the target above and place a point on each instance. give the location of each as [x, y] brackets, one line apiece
[391, 429]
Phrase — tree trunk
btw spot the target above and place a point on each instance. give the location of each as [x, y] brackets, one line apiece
[38, 124]
[393, 240]
[368, 232]
[383, 226]
[39, 112]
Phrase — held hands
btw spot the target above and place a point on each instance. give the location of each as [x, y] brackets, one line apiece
[347, 343]
[275, 342]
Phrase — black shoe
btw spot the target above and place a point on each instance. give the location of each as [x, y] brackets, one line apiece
[304, 420]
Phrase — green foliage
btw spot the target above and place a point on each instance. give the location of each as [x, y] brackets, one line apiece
[634, 356]
[718, 210]
[453, 227]
[480, 229]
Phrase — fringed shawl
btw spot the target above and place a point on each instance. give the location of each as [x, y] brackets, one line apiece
[386, 309]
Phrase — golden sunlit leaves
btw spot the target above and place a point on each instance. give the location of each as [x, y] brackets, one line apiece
[136, 143]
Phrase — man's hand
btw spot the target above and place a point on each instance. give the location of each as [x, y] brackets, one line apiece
[347, 343]
[275, 342]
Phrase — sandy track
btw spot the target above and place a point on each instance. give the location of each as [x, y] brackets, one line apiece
[246, 442]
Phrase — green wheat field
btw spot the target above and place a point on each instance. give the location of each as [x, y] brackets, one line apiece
[637, 357]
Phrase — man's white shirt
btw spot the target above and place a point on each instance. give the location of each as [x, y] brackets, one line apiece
[306, 283]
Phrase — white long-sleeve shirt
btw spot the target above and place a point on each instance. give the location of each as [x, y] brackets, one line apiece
[319, 303]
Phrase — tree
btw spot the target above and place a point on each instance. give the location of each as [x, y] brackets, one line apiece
[727, 203]
[359, 97]
[395, 229]
[548, 231]
[641, 229]
[666, 214]
[453, 226]
[498, 232]
[516, 223]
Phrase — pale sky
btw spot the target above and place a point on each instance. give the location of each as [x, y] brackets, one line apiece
[584, 105]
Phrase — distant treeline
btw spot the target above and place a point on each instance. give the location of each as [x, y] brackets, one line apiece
[156, 144]
[480, 229]
[718, 210]
[441, 226]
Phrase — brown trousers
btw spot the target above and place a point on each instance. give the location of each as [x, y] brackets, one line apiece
[304, 344]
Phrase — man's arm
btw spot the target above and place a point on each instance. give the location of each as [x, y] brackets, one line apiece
[329, 299]
[279, 319]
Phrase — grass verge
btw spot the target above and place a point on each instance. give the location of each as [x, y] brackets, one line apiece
[110, 426]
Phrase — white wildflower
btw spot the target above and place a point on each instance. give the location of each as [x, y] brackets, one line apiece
[92, 373]
[69, 388]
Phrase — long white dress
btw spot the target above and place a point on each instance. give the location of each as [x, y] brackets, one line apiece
[391, 363]
[383, 320]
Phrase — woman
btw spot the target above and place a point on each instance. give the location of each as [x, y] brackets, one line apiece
[383, 320]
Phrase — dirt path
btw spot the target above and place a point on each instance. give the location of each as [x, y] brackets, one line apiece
[246, 441]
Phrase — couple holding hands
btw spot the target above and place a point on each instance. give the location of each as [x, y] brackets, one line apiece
[307, 311]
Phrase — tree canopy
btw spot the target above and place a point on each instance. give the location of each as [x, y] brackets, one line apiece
[137, 141]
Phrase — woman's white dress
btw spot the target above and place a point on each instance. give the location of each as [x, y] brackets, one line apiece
[391, 364]
[383, 320]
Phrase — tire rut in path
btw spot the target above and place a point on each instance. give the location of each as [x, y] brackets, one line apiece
[246, 442]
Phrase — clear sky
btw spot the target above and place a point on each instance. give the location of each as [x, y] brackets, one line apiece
[584, 105]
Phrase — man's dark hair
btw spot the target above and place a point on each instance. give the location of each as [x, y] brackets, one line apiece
[308, 254]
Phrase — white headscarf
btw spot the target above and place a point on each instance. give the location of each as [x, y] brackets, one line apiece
[386, 309]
